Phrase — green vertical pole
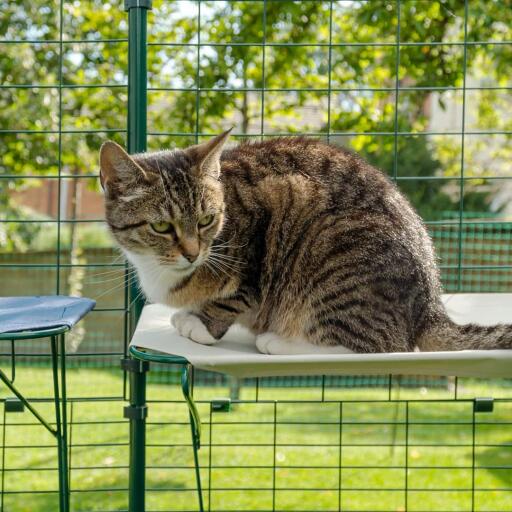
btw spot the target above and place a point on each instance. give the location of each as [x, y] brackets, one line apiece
[137, 102]
[136, 141]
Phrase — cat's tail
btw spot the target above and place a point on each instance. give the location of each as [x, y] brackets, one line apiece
[444, 334]
[447, 335]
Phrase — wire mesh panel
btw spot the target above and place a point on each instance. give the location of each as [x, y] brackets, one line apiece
[420, 88]
[62, 92]
[335, 448]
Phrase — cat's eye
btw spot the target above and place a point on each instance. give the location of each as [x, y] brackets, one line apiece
[162, 227]
[206, 220]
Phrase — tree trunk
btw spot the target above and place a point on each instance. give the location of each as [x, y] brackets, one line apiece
[245, 104]
[76, 273]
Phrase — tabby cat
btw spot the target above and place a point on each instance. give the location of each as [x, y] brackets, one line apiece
[304, 243]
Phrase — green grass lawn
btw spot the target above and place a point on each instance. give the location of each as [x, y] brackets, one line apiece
[269, 456]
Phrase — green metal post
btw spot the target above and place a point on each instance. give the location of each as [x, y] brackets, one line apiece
[136, 412]
[137, 133]
[137, 103]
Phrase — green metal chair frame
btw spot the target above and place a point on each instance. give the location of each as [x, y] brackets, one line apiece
[58, 353]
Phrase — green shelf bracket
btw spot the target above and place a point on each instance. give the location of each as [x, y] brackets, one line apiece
[134, 365]
[483, 405]
[13, 404]
[187, 386]
[195, 420]
[221, 405]
[132, 412]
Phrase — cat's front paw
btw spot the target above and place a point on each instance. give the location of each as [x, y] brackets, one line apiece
[271, 343]
[190, 326]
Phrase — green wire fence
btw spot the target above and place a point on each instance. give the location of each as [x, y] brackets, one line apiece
[420, 88]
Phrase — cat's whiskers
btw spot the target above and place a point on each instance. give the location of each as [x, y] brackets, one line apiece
[223, 264]
[217, 266]
[141, 292]
[132, 278]
[114, 276]
[226, 266]
[120, 271]
[226, 257]
[209, 266]
[227, 244]
[111, 271]
[109, 280]
[223, 255]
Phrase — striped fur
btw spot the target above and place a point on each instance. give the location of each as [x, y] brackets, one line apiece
[309, 242]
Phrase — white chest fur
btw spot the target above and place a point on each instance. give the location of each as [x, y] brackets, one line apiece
[156, 279]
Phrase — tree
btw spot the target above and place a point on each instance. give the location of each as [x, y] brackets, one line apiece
[223, 80]
[415, 160]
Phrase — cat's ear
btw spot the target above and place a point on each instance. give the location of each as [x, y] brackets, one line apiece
[118, 170]
[206, 156]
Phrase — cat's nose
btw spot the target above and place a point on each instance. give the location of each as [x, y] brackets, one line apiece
[190, 257]
[190, 250]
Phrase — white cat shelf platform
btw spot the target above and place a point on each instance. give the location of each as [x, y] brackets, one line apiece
[236, 354]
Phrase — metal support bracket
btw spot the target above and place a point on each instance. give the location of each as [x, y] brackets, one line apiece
[13, 404]
[132, 412]
[483, 404]
[134, 365]
[221, 405]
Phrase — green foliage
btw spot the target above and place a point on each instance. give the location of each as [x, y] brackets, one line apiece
[218, 84]
[18, 236]
[416, 164]
[92, 236]
[415, 159]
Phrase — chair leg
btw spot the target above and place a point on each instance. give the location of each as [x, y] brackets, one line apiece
[66, 469]
[60, 420]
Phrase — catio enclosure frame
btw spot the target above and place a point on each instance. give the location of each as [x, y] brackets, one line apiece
[266, 394]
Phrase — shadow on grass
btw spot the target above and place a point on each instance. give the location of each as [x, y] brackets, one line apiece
[497, 461]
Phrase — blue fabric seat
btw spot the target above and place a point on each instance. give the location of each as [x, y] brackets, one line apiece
[45, 317]
[42, 312]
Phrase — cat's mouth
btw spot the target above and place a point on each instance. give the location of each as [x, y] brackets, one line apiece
[181, 266]
[176, 266]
